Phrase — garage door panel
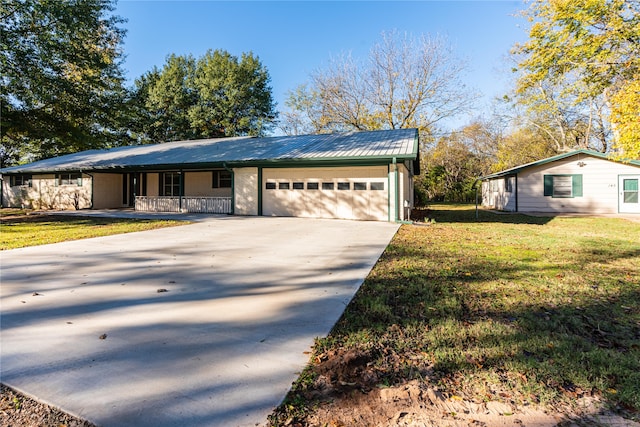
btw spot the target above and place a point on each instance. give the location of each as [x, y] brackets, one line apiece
[362, 203]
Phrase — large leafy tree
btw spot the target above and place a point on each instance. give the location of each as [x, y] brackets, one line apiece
[213, 96]
[61, 77]
[405, 82]
[580, 54]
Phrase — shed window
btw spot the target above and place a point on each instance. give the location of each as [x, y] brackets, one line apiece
[566, 186]
[20, 180]
[221, 179]
[271, 185]
[312, 185]
[298, 185]
[283, 185]
[377, 186]
[508, 185]
[328, 186]
[344, 186]
[69, 179]
[359, 185]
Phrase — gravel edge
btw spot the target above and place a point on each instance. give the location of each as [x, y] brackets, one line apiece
[18, 410]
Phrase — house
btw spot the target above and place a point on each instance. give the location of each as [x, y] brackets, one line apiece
[357, 175]
[581, 181]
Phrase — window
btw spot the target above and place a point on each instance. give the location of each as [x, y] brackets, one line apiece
[221, 179]
[283, 185]
[630, 190]
[312, 185]
[171, 183]
[328, 186]
[508, 185]
[298, 185]
[377, 186]
[563, 186]
[271, 185]
[359, 185]
[69, 179]
[344, 186]
[20, 180]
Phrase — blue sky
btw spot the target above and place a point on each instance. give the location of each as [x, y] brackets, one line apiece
[294, 38]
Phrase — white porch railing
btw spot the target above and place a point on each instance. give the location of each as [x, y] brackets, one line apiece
[218, 205]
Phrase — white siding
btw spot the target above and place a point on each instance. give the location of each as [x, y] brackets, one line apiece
[599, 185]
[495, 194]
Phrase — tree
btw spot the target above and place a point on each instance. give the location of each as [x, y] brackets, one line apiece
[580, 53]
[213, 96]
[406, 82]
[625, 116]
[61, 77]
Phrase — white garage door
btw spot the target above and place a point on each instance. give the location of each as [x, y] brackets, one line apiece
[347, 193]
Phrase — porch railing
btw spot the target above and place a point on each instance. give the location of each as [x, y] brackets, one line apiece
[218, 205]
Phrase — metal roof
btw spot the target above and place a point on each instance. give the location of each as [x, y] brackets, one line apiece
[515, 170]
[386, 144]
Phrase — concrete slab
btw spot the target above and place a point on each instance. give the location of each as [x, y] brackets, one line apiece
[244, 300]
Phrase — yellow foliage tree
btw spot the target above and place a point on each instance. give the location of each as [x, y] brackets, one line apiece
[625, 117]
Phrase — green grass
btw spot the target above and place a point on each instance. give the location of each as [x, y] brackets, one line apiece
[21, 228]
[531, 310]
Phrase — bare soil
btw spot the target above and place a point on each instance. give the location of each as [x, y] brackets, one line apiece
[345, 393]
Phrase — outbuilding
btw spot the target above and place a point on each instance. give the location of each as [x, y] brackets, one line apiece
[581, 181]
[356, 175]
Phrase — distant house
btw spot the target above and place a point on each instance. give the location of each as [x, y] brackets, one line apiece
[581, 181]
[357, 175]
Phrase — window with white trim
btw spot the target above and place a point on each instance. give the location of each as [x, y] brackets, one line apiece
[563, 186]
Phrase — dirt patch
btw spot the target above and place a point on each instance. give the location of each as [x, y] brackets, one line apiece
[347, 390]
[17, 410]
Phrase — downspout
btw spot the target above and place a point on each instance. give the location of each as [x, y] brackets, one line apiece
[233, 187]
[92, 184]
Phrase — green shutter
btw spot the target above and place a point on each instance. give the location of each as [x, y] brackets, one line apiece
[548, 185]
[577, 185]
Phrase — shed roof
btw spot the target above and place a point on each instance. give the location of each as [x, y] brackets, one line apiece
[517, 169]
[401, 144]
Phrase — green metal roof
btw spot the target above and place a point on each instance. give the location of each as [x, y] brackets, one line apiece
[517, 169]
[354, 147]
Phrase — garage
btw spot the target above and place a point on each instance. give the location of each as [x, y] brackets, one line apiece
[344, 192]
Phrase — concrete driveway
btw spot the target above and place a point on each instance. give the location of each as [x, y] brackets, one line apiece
[204, 324]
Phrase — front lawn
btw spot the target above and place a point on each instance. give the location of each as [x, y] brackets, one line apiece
[524, 310]
[21, 228]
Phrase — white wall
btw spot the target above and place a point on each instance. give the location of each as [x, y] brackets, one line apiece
[245, 182]
[599, 185]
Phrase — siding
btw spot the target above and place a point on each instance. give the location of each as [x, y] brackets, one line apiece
[201, 184]
[599, 184]
[496, 196]
[107, 191]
